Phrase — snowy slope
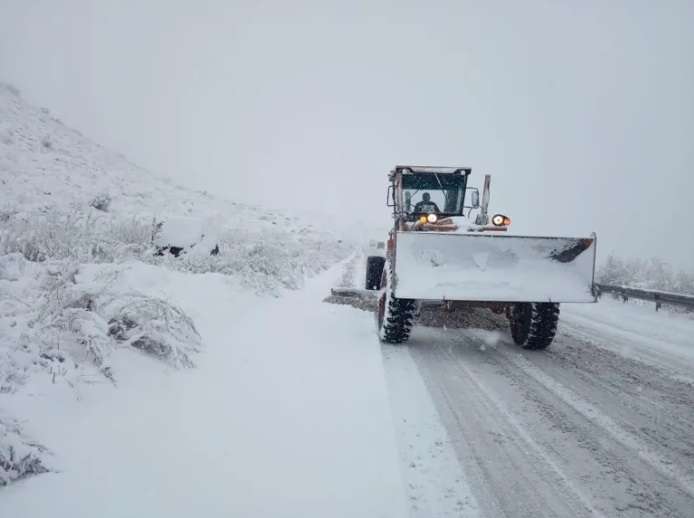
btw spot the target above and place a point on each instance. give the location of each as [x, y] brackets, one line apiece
[51, 175]
[76, 220]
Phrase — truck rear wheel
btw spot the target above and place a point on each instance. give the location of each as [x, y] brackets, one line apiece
[374, 271]
[534, 324]
[394, 315]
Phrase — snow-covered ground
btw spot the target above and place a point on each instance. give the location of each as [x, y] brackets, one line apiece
[133, 384]
[286, 414]
[636, 330]
[75, 221]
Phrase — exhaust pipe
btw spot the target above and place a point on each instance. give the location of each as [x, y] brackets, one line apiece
[483, 216]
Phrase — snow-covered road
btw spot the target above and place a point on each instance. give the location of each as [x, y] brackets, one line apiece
[587, 428]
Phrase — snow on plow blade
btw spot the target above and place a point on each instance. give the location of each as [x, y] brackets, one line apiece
[486, 267]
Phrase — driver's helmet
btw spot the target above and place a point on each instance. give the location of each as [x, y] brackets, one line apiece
[426, 196]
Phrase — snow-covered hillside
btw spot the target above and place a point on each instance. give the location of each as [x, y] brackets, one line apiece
[79, 276]
[55, 181]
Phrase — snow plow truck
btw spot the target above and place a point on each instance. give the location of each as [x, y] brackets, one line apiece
[445, 251]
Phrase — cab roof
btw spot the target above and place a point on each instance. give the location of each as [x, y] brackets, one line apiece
[431, 169]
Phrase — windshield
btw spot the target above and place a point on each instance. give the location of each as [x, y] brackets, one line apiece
[434, 193]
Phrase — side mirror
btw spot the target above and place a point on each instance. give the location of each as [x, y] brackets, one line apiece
[474, 198]
[390, 200]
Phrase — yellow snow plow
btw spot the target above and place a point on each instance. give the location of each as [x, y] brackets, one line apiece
[438, 256]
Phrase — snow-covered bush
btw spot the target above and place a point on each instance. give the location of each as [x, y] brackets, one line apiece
[267, 261]
[101, 202]
[19, 457]
[155, 327]
[58, 321]
[75, 235]
[653, 273]
[54, 328]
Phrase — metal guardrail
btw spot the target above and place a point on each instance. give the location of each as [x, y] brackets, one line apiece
[659, 297]
[625, 293]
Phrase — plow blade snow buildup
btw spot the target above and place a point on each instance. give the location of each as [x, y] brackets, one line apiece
[493, 268]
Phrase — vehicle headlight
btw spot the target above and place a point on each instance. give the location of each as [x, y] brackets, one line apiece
[500, 220]
[422, 219]
[431, 218]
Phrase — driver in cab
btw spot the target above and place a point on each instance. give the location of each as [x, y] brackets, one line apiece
[426, 205]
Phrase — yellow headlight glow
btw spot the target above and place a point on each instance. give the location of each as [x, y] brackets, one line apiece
[422, 219]
[500, 220]
[431, 218]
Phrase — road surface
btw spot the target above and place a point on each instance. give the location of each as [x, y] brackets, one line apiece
[586, 428]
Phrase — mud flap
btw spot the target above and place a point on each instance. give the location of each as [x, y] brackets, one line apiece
[494, 267]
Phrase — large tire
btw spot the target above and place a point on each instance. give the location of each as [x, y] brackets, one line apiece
[534, 324]
[374, 271]
[394, 315]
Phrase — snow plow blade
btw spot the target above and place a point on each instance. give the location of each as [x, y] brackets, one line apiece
[357, 298]
[494, 268]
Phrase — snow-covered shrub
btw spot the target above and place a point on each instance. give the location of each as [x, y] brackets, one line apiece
[267, 261]
[265, 258]
[61, 323]
[65, 326]
[155, 327]
[653, 273]
[19, 457]
[75, 235]
[101, 202]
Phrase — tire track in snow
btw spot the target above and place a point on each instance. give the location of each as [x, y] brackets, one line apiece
[670, 360]
[511, 472]
[644, 400]
[436, 485]
[535, 449]
[591, 413]
[603, 465]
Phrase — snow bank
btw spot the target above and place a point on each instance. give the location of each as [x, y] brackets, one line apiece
[80, 282]
[285, 415]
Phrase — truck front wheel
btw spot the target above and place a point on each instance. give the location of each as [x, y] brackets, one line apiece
[534, 324]
[394, 315]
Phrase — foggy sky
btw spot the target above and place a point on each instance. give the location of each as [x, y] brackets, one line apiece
[583, 112]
